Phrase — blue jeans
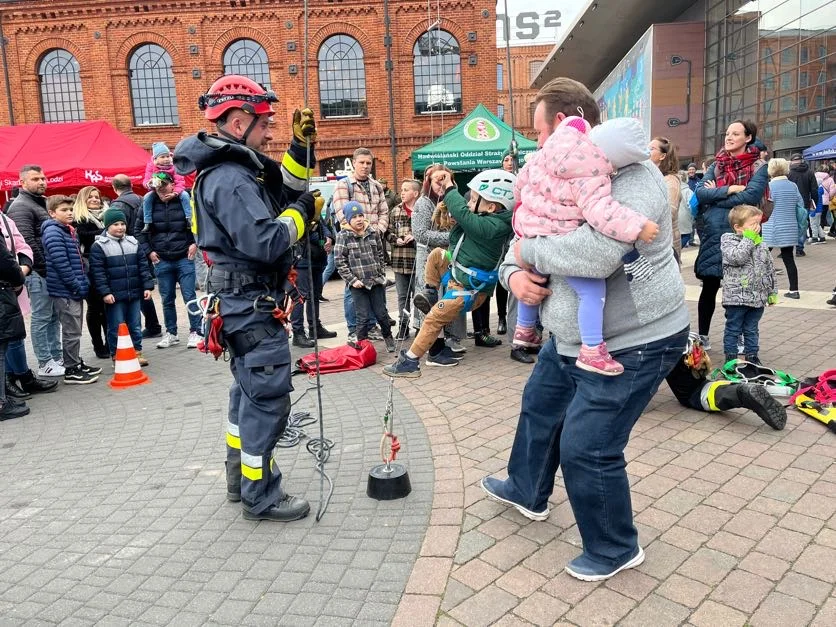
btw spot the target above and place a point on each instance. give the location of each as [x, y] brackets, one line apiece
[351, 314]
[685, 239]
[330, 268]
[46, 332]
[169, 274]
[16, 358]
[742, 320]
[127, 311]
[581, 421]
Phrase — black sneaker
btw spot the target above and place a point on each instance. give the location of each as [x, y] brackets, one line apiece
[449, 354]
[375, 334]
[390, 344]
[11, 409]
[487, 340]
[77, 376]
[441, 360]
[799, 252]
[149, 333]
[794, 295]
[831, 300]
[94, 370]
[323, 334]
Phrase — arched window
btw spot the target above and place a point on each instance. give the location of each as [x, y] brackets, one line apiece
[246, 57]
[61, 97]
[152, 86]
[342, 78]
[437, 70]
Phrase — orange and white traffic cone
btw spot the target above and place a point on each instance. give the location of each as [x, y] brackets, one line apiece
[128, 370]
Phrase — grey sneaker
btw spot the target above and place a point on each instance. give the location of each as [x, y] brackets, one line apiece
[375, 334]
[455, 346]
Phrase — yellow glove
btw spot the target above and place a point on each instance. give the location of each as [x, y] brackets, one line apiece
[319, 203]
[304, 127]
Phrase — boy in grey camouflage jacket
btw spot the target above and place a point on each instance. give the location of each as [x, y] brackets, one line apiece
[748, 281]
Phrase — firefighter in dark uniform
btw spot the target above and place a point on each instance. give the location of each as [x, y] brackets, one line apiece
[249, 212]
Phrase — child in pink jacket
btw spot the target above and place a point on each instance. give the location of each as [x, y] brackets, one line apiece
[567, 184]
[162, 162]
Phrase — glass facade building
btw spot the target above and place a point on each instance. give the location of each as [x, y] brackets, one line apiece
[774, 62]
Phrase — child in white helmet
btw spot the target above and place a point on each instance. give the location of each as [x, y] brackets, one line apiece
[462, 277]
[567, 184]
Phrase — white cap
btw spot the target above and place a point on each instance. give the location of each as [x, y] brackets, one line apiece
[623, 141]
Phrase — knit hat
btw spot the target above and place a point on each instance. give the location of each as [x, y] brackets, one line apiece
[691, 165]
[158, 149]
[352, 208]
[796, 156]
[114, 215]
[623, 141]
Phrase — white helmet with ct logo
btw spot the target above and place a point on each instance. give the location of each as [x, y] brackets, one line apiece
[495, 186]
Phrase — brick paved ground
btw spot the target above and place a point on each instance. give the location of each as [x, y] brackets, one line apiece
[738, 521]
[114, 510]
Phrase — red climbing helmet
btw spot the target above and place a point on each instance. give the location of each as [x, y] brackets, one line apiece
[236, 92]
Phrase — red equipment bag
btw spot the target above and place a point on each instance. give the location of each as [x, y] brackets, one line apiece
[340, 359]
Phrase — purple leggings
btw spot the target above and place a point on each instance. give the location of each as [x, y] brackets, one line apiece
[591, 296]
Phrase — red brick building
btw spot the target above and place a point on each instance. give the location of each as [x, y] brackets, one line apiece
[526, 62]
[142, 66]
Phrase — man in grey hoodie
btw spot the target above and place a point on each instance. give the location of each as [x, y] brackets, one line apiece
[572, 418]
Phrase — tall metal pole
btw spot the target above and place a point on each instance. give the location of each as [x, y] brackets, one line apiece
[506, 27]
[390, 68]
[6, 73]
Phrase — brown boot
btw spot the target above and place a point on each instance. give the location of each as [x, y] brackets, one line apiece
[142, 361]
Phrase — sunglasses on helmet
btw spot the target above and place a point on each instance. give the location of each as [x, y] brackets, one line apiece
[213, 100]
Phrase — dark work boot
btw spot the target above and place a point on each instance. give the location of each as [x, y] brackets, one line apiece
[424, 301]
[301, 340]
[324, 334]
[33, 385]
[752, 396]
[13, 390]
[233, 483]
[13, 409]
[289, 508]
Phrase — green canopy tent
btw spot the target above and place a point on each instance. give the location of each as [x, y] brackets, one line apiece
[474, 144]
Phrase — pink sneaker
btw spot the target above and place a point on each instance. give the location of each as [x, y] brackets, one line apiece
[526, 336]
[598, 359]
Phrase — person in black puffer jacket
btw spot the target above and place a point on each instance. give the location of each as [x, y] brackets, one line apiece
[12, 326]
[122, 276]
[170, 246]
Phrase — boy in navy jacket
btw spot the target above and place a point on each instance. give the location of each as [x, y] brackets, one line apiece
[67, 286]
[121, 274]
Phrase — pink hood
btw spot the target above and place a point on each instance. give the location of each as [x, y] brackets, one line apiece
[567, 183]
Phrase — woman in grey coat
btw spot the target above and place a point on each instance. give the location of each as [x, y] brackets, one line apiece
[428, 238]
[783, 227]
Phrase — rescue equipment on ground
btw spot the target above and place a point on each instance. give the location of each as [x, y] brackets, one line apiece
[338, 359]
[777, 382]
[388, 481]
[819, 400]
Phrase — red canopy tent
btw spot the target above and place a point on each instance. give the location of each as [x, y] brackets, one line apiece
[73, 155]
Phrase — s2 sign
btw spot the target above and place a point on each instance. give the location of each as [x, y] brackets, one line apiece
[534, 22]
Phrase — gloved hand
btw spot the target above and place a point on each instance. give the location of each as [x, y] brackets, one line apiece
[306, 204]
[304, 127]
[319, 201]
[753, 235]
